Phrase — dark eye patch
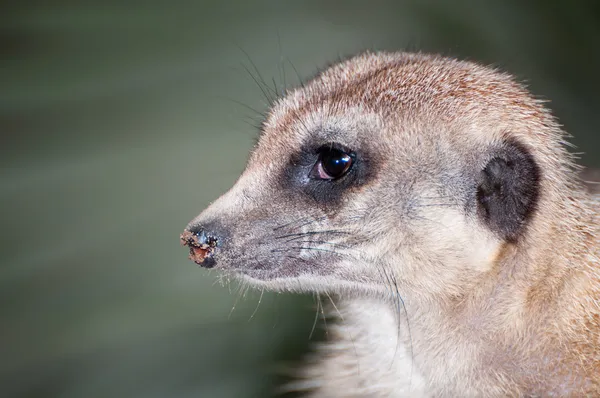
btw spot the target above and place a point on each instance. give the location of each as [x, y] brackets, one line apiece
[508, 190]
[354, 165]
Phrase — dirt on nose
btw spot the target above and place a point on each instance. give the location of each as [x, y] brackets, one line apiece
[199, 251]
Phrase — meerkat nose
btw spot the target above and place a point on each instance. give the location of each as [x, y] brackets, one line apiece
[202, 245]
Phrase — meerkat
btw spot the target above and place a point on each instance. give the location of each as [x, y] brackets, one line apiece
[434, 200]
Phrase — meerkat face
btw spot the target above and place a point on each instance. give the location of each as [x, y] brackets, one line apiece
[384, 169]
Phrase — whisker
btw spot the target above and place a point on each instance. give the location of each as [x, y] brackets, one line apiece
[391, 285]
[257, 305]
[291, 223]
[297, 224]
[383, 270]
[281, 64]
[228, 285]
[349, 333]
[303, 234]
[315, 321]
[264, 91]
[297, 74]
[319, 249]
[323, 315]
[323, 242]
[275, 86]
[260, 77]
[306, 236]
[312, 221]
[252, 124]
[435, 205]
[400, 300]
[335, 306]
[257, 112]
[276, 305]
[234, 304]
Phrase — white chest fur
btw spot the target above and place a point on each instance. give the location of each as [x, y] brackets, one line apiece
[367, 355]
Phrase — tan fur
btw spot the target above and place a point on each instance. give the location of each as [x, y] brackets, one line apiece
[480, 316]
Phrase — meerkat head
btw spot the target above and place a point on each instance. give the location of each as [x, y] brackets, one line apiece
[409, 168]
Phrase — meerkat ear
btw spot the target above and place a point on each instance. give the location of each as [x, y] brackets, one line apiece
[508, 188]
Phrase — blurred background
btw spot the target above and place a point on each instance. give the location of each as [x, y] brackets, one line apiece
[121, 120]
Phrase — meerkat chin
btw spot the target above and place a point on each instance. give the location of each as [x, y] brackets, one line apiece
[435, 199]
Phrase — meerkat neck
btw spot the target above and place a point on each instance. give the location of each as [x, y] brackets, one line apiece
[559, 256]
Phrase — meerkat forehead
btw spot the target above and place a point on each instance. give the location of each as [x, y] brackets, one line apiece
[393, 82]
[432, 94]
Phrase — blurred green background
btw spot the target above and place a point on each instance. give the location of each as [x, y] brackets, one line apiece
[122, 120]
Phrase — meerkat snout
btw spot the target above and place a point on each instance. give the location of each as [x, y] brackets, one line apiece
[424, 193]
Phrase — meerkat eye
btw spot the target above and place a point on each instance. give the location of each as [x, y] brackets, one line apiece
[332, 163]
